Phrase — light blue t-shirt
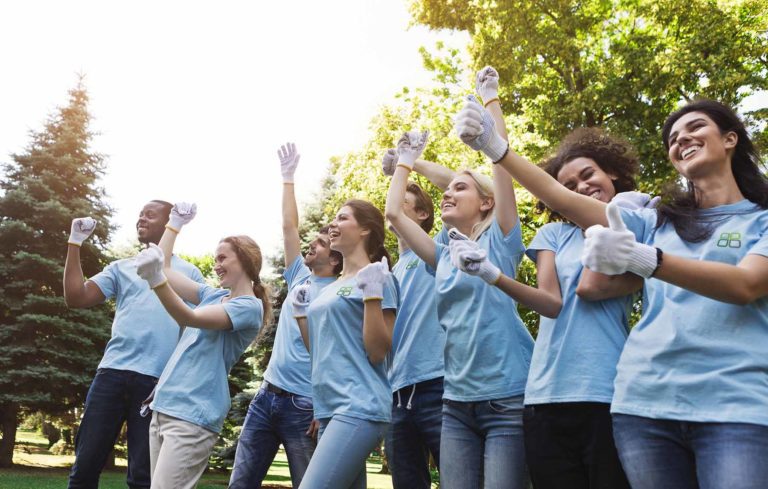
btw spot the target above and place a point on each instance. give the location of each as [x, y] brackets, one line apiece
[575, 356]
[343, 380]
[418, 340]
[289, 366]
[692, 358]
[143, 333]
[194, 386]
[487, 348]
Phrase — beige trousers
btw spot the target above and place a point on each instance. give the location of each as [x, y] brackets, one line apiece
[178, 452]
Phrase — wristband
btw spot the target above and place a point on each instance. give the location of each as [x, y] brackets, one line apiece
[161, 284]
[659, 259]
[494, 99]
[503, 155]
[403, 165]
[168, 226]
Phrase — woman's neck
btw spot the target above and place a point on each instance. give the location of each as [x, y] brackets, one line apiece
[465, 228]
[717, 189]
[242, 287]
[354, 261]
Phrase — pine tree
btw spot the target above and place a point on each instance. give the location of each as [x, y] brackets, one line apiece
[49, 353]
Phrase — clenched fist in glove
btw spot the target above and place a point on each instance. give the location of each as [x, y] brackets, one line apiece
[469, 257]
[476, 128]
[389, 162]
[300, 300]
[371, 279]
[149, 266]
[613, 250]
[487, 84]
[410, 146]
[181, 214]
[289, 160]
[82, 227]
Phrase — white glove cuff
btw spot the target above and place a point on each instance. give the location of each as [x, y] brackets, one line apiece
[157, 280]
[407, 160]
[496, 148]
[299, 312]
[373, 291]
[174, 223]
[489, 95]
[75, 241]
[642, 260]
[489, 272]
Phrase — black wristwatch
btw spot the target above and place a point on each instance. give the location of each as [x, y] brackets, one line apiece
[659, 260]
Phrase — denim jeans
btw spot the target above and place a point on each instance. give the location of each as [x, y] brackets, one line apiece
[272, 420]
[114, 397]
[339, 460]
[669, 454]
[481, 445]
[571, 445]
[417, 418]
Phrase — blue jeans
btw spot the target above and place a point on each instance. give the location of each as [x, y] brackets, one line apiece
[273, 419]
[417, 418]
[339, 460]
[481, 445]
[661, 454]
[114, 397]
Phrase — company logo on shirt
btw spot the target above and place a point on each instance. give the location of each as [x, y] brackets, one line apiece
[344, 291]
[412, 264]
[729, 240]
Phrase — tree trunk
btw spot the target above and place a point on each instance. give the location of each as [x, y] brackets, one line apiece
[9, 421]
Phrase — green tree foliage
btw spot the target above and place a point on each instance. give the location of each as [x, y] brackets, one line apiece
[620, 64]
[48, 353]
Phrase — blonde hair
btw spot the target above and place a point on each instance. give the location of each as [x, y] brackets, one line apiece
[484, 187]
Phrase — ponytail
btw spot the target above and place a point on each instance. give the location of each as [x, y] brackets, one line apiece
[264, 293]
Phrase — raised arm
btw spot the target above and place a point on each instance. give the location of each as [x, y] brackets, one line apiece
[438, 175]
[149, 266]
[289, 160]
[378, 324]
[77, 291]
[409, 148]
[181, 214]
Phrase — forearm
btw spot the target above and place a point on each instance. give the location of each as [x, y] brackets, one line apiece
[167, 242]
[74, 280]
[377, 337]
[291, 240]
[304, 329]
[213, 317]
[439, 175]
[543, 302]
[180, 312]
[416, 238]
[595, 286]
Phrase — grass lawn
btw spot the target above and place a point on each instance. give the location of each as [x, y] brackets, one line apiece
[38, 468]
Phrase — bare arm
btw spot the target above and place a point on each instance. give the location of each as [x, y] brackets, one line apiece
[736, 284]
[205, 317]
[546, 299]
[304, 329]
[378, 325]
[77, 291]
[503, 186]
[416, 238]
[439, 175]
[188, 289]
[595, 286]
[291, 240]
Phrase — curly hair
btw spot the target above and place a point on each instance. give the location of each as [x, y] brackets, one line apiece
[613, 155]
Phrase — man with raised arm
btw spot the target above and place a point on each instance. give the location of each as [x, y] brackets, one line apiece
[143, 338]
[282, 411]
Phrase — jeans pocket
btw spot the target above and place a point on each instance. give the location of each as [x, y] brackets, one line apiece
[506, 405]
[302, 403]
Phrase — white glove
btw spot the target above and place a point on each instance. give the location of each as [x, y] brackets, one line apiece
[300, 300]
[410, 146]
[614, 250]
[181, 214]
[82, 227]
[469, 257]
[635, 200]
[389, 162]
[371, 279]
[487, 84]
[149, 266]
[476, 128]
[289, 160]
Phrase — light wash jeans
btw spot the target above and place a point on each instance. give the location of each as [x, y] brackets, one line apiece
[339, 459]
[481, 445]
[669, 454]
[272, 420]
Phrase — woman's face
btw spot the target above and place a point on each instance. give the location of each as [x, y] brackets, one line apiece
[462, 203]
[345, 233]
[227, 265]
[584, 176]
[696, 145]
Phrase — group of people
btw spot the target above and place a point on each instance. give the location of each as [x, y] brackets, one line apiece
[432, 354]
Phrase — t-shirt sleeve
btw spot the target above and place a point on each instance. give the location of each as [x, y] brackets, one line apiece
[296, 273]
[391, 294]
[106, 280]
[244, 312]
[545, 239]
[194, 273]
[510, 244]
[640, 221]
[761, 247]
[442, 237]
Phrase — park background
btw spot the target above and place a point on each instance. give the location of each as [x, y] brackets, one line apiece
[106, 106]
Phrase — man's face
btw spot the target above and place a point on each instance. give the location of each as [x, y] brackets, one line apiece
[151, 224]
[319, 251]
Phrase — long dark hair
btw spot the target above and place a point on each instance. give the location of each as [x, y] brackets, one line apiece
[249, 255]
[682, 205]
[370, 218]
[613, 155]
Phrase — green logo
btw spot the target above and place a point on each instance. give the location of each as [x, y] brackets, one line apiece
[412, 264]
[729, 240]
[344, 291]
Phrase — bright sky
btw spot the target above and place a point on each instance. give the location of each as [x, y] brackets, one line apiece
[192, 99]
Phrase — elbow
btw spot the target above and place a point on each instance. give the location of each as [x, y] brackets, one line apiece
[588, 292]
[553, 310]
[73, 301]
[744, 297]
[376, 357]
[391, 214]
